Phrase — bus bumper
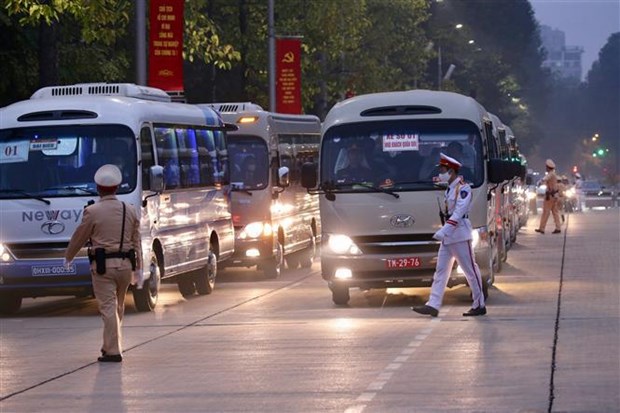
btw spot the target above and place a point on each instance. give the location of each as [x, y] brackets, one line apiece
[250, 252]
[40, 278]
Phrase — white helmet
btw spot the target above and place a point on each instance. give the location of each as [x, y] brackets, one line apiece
[108, 176]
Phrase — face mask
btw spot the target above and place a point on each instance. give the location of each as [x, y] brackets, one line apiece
[444, 177]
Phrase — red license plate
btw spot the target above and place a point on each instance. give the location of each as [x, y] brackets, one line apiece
[411, 262]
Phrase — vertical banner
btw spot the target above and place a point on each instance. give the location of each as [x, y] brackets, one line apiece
[166, 45]
[288, 76]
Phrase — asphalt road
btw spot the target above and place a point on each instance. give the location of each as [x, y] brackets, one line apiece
[550, 342]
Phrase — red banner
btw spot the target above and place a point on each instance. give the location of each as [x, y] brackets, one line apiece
[166, 45]
[288, 76]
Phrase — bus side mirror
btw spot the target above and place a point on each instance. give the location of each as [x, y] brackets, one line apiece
[283, 177]
[156, 178]
[309, 175]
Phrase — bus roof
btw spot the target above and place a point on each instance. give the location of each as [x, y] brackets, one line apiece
[247, 115]
[422, 104]
[49, 108]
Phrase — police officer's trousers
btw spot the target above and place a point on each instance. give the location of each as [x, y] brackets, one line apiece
[463, 253]
[110, 290]
[550, 207]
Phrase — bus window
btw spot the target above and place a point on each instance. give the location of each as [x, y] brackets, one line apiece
[188, 158]
[221, 171]
[167, 156]
[146, 150]
[207, 160]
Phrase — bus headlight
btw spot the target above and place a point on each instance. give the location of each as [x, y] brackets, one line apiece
[342, 244]
[256, 230]
[4, 253]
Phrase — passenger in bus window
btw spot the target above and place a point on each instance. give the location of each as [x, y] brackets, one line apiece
[455, 150]
[356, 169]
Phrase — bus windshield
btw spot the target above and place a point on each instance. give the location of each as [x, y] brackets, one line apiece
[57, 161]
[250, 162]
[398, 154]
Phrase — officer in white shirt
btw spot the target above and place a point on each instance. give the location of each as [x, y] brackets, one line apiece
[455, 237]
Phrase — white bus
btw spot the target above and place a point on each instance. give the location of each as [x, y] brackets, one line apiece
[379, 200]
[275, 218]
[175, 173]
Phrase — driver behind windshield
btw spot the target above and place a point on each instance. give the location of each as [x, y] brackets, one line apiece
[357, 169]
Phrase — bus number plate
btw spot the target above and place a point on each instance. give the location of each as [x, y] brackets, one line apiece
[411, 262]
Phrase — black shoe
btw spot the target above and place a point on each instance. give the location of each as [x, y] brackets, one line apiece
[426, 310]
[557, 231]
[473, 312]
[110, 358]
[539, 230]
[103, 353]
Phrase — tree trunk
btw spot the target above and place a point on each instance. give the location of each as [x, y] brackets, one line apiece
[48, 54]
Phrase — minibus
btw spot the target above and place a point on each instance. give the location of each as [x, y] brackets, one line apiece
[175, 168]
[276, 220]
[379, 199]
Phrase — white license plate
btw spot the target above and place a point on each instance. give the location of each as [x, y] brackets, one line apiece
[410, 262]
[51, 270]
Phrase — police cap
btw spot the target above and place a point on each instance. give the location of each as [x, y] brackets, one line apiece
[108, 176]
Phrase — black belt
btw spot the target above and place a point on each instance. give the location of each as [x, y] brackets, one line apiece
[122, 255]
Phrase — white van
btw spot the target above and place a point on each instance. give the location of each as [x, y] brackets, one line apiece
[274, 216]
[379, 201]
[175, 173]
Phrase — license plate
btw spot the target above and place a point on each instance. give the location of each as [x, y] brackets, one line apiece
[51, 270]
[411, 262]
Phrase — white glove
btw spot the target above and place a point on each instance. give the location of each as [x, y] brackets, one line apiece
[439, 235]
[67, 264]
[137, 278]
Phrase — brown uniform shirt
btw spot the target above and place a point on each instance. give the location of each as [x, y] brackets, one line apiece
[102, 223]
[551, 180]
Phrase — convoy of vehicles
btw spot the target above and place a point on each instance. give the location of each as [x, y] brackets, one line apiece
[175, 173]
[275, 218]
[230, 185]
[379, 209]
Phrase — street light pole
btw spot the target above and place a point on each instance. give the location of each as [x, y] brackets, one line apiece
[140, 51]
[439, 69]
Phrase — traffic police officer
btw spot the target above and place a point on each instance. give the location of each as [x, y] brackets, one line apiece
[551, 203]
[113, 229]
[455, 236]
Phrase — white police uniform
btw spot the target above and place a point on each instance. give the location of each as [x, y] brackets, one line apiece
[455, 237]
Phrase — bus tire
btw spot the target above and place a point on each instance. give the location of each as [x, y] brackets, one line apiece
[306, 256]
[205, 278]
[146, 297]
[186, 285]
[10, 303]
[340, 294]
[272, 267]
[292, 260]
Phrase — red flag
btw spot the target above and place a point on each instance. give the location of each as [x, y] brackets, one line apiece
[166, 45]
[288, 76]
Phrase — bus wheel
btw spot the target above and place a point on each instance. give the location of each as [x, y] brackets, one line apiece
[205, 278]
[306, 257]
[186, 285]
[340, 294]
[272, 267]
[146, 297]
[292, 260]
[10, 303]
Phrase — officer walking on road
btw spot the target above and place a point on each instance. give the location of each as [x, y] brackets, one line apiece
[551, 203]
[455, 236]
[113, 229]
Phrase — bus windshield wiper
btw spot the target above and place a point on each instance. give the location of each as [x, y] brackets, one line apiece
[376, 188]
[75, 188]
[427, 182]
[28, 194]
